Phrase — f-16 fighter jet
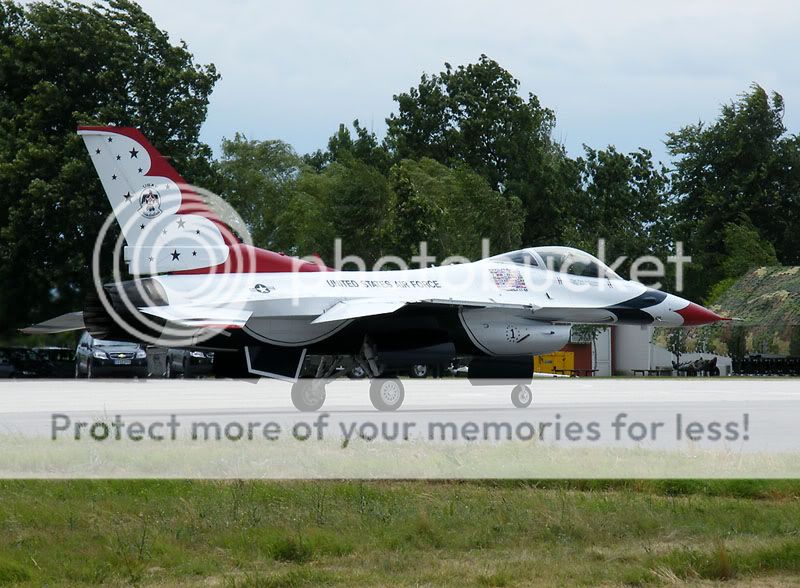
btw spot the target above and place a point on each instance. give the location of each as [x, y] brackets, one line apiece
[267, 314]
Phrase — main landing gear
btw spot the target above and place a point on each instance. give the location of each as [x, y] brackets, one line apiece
[308, 395]
[386, 394]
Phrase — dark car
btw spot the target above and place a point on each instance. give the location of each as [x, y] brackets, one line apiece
[55, 362]
[24, 362]
[6, 367]
[102, 358]
[189, 363]
[415, 370]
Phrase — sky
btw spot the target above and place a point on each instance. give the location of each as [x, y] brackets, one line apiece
[620, 73]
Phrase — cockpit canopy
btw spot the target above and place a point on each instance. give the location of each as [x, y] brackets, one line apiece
[566, 260]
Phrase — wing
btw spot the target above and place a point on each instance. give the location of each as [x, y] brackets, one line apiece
[358, 307]
[72, 321]
[362, 307]
[200, 316]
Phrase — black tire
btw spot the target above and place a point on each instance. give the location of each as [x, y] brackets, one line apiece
[308, 396]
[418, 370]
[521, 396]
[387, 394]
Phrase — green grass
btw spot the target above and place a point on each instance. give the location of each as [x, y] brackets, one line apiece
[505, 533]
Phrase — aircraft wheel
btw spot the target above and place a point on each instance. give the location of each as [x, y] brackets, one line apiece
[386, 394]
[308, 396]
[521, 396]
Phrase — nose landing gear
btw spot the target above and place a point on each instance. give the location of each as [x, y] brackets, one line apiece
[521, 396]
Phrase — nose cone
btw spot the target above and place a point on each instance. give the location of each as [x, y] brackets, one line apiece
[694, 315]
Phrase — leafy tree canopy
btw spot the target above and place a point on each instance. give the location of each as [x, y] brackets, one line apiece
[742, 163]
[63, 64]
[624, 200]
[343, 147]
[474, 115]
[452, 210]
[258, 179]
[745, 249]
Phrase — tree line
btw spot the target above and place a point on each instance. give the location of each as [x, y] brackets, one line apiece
[466, 156]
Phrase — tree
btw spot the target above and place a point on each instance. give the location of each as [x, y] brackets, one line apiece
[452, 210]
[258, 178]
[745, 248]
[63, 64]
[345, 200]
[744, 162]
[342, 148]
[474, 115]
[623, 200]
[357, 208]
[676, 344]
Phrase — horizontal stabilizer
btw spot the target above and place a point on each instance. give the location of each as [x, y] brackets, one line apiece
[200, 316]
[72, 321]
[356, 308]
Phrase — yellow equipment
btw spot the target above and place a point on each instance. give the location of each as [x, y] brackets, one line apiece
[548, 364]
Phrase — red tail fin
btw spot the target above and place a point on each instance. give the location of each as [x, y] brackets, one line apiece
[169, 227]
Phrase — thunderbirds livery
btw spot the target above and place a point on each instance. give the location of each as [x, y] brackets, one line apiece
[266, 314]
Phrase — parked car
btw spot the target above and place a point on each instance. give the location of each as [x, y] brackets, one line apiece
[189, 363]
[23, 361]
[55, 362]
[102, 358]
[416, 370]
[6, 367]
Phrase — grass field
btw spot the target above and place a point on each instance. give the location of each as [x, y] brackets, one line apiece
[249, 534]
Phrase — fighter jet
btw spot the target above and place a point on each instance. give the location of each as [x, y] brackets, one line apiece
[271, 315]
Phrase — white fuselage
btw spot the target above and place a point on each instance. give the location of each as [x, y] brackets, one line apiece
[506, 309]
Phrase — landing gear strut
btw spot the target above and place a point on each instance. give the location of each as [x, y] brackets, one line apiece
[308, 395]
[521, 396]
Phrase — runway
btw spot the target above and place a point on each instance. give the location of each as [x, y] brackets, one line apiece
[692, 421]
[25, 396]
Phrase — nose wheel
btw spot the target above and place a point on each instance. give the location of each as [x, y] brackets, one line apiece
[521, 396]
[386, 394]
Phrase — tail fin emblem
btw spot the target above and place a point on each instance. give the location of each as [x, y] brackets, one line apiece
[150, 203]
